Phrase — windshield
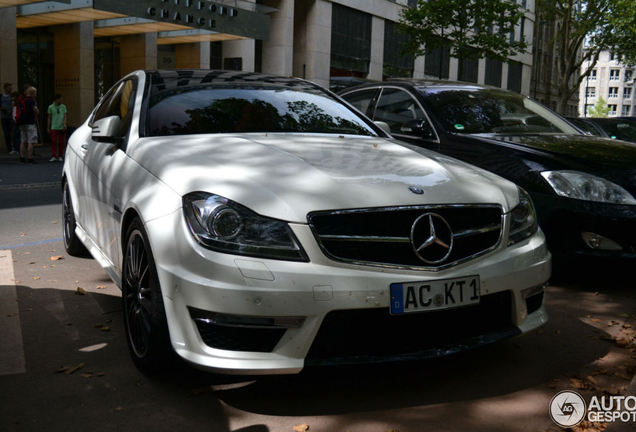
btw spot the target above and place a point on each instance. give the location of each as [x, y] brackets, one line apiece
[490, 111]
[232, 108]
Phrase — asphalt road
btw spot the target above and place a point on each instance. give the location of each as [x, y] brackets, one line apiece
[47, 328]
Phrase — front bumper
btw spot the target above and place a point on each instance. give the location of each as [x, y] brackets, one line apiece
[196, 281]
[564, 220]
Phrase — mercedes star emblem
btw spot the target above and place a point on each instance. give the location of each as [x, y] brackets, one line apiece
[431, 238]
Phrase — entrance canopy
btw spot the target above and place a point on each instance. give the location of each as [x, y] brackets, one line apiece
[175, 21]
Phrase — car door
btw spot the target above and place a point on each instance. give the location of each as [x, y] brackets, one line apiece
[396, 107]
[104, 162]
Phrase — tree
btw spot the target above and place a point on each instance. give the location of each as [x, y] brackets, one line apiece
[600, 109]
[600, 24]
[469, 28]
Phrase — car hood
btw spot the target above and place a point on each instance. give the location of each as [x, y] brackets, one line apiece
[591, 150]
[287, 176]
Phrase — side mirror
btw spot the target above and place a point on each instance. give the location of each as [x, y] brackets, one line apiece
[383, 125]
[107, 130]
[415, 127]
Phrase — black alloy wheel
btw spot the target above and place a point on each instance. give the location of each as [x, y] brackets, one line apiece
[72, 243]
[144, 313]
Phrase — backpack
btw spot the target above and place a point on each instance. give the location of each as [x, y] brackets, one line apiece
[18, 109]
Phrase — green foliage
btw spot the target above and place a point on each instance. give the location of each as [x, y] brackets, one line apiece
[600, 109]
[469, 28]
[602, 24]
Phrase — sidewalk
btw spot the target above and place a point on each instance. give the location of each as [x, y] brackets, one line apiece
[13, 174]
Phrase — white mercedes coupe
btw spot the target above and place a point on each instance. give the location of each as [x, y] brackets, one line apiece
[257, 224]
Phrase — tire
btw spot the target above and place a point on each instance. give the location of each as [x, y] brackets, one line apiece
[72, 243]
[144, 314]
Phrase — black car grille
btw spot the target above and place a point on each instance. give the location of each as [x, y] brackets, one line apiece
[383, 236]
[373, 335]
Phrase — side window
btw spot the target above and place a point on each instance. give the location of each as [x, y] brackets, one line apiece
[104, 105]
[361, 99]
[122, 105]
[397, 107]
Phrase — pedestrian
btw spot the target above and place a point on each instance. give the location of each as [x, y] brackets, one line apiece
[56, 126]
[28, 127]
[16, 127]
[6, 107]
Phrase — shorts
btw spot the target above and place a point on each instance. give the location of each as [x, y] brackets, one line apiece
[29, 133]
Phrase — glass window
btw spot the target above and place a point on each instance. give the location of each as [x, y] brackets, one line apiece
[213, 108]
[625, 111]
[361, 99]
[613, 92]
[627, 93]
[615, 74]
[591, 92]
[592, 76]
[475, 111]
[397, 107]
[612, 109]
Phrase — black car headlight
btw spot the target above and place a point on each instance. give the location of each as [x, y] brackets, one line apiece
[583, 186]
[523, 219]
[222, 225]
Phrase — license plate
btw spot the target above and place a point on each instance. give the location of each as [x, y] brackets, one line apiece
[410, 297]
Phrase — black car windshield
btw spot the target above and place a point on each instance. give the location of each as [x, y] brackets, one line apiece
[618, 129]
[491, 111]
[249, 107]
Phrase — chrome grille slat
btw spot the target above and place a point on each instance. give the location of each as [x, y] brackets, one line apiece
[382, 236]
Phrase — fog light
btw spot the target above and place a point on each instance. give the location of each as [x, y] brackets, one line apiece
[245, 321]
[599, 242]
[529, 292]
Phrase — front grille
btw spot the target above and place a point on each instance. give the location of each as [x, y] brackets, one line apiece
[385, 236]
[374, 335]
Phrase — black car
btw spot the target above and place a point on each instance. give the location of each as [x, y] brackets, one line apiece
[614, 128]
[583, 186]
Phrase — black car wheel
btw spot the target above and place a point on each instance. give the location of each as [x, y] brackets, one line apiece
[145, 316]
[72, 243]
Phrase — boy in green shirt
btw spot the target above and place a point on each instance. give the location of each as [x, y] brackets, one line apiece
[56, 126]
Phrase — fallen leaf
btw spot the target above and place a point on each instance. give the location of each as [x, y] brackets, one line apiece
[36, 277]
[118, 408]
[22, 234]
[57, 258]
[101, 374]
[591, 379]
[623, 342]
[67, 370]
[98, 325]
[80, 291]
[623, 376]
[627, 326]
[54, 222]
[27, 253]
[576, 383]
[12, 315]
[301, 427]
[32, 263]
[624, 315]
[101, 287]
[17, 282]
[87, 375]
[105, 329]
[596, 320]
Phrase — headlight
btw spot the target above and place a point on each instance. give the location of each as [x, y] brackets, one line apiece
[225, 226]
[523, 219]
[578, 185]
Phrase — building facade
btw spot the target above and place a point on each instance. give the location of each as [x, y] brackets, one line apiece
[614, 82]
[79, 48]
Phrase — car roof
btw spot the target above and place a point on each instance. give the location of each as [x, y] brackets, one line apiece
[425, 83]
[171, 78]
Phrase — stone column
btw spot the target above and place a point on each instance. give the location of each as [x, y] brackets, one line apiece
[8, 54]
[192, 55]
[376, 65]
[312, 40]
[418, 67]
[8, 48]
[75, 70]
[278, 52]
[137, 52]
[245, 49]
